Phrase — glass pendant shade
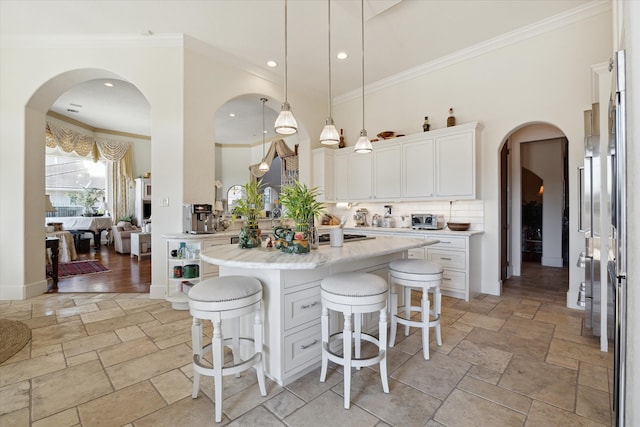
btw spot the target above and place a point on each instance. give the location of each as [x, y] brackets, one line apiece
[285, 123]
[363, 145]
[329, 134]
[263, 167]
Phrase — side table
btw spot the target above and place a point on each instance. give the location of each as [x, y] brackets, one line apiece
[140, 244]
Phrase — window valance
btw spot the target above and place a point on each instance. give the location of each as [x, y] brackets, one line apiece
[69, 140]
[288, 156]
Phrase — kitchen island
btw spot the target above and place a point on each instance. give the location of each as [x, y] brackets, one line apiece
[291, 293]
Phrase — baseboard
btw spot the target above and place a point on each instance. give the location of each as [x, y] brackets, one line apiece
[157, 291]
[23, 292]
[552, 261]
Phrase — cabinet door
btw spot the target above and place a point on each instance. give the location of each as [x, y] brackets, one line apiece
[387, 172]
[359, 176]
[341, 167]
[323, 173]
[455, 166]
[418, 171]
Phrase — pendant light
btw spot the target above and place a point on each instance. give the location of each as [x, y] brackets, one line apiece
[285, 123]
[263, 167]
[363, 145]
[329, 134]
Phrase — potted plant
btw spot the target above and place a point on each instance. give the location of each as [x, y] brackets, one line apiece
[249, 207]
[300, 205]
[88, 198]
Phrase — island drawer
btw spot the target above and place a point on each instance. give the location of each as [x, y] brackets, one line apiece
[302, 306]
[300, 277]
[302, 347]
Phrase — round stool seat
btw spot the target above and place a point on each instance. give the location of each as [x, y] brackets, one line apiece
[225, 293]
[415, 266]
[354, 288]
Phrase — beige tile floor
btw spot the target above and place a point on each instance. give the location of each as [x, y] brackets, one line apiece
[121, 359]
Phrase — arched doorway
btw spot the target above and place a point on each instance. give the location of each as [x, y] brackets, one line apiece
[542, 149]
[44, 99]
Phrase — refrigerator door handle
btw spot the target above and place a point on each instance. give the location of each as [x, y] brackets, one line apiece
[581, 199]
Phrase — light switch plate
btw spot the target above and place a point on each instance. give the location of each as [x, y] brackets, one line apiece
[164, 202]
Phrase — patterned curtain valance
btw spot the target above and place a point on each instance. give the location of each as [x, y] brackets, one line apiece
[281, 149]
[70, 140]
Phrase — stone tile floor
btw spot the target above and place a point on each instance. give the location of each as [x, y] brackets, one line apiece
[122, 359]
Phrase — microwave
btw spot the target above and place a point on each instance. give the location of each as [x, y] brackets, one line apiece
[424, 222]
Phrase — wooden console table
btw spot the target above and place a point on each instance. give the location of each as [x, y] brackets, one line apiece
[53, 243]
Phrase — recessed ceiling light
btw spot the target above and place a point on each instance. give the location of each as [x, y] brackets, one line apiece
[232, 114]
[107, 84]
[342, 55]
[272, 64]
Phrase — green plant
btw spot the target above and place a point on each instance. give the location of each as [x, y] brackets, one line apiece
[299, 202]
[87, 198]
[250, 205]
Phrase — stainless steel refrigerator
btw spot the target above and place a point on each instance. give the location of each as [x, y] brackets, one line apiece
[617, 243]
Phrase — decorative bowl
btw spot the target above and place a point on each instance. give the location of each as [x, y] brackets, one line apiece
[386, 134]
[458, 226]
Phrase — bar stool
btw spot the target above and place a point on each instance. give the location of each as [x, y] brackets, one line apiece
[354, 293]
[218, 299]
[416, 274]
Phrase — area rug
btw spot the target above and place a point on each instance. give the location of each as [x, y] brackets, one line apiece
[13, 335]
[80, 267]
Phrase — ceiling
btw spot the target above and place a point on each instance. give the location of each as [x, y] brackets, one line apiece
[399, 35]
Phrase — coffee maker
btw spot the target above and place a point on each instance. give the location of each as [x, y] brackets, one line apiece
[197, 219]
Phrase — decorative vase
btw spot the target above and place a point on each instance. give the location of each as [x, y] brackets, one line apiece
[249, 237]
[292, 241]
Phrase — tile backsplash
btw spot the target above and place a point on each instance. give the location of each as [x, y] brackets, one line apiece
[471, 211]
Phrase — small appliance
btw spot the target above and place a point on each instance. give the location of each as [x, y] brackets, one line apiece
[425, 222]
[360, 217]
[197, 219]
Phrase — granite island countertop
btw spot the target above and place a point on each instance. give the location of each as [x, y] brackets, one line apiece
[273, 259]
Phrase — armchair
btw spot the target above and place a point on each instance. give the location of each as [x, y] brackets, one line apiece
[122, 236]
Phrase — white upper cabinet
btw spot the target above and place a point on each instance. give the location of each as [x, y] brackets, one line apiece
[387, 172]
[456, 166]
[434, 165]
[359, 176]
[418, 170]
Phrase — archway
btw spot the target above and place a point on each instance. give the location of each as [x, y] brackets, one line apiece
[36, 117]
[555, 194]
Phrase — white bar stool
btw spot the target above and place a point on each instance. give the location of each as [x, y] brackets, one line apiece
[416, 274]
[354, 293]
[218, 299]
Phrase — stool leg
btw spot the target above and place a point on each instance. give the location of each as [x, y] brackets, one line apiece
[393, 303]
[257, 340]
[235, 342]
[218, 355]
[357, 335]
[346, 348]
[382, 346]
[324, 320]
[437, 299]
[425, 323]
[407, 308]
[196, 347]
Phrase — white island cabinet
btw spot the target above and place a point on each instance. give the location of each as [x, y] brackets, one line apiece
[291, 296]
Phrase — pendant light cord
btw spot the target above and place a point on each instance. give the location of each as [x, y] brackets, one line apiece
[362, 27]
[263, 101]
[329, 53]
[286, 51]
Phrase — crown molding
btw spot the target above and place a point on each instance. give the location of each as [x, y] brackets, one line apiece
[84, 41]
[90, 128]
[552, 23]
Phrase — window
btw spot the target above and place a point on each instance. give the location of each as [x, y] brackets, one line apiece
[76, 185]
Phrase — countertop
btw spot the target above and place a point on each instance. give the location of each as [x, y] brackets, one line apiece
[273, 259]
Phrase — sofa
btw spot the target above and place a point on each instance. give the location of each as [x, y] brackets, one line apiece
[121, 234]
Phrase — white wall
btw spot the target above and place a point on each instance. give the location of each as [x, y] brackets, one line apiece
[544, 78]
